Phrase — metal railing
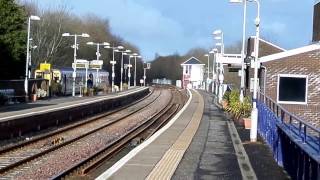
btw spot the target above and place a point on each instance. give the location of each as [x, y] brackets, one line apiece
[302, 132]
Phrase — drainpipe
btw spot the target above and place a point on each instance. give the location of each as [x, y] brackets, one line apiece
[264, 82]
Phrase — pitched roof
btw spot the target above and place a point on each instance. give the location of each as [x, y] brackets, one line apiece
[290, 53]
[270, 43]
[192, 61]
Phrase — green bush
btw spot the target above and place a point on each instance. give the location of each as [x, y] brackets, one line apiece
[237, 108]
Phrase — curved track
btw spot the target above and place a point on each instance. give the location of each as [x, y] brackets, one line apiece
[84, 143]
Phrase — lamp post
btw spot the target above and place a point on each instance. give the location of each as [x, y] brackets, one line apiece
[218, 35]
[135, 55]
[214, 76]
[113, 62]
[30, 59]
[129, 71]
[243, 45]
[98, 55]
[254, 113]
[33, 18]
[121, 70]
[75, 47]
[144, 72]
[208, 71]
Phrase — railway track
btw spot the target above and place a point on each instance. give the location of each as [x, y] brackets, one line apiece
[21, 153]
[15, 160]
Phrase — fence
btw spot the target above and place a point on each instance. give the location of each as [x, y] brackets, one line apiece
[294, 142]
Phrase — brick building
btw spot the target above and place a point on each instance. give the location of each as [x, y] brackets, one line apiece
[290, 77]
[293, 81]
[316, 22]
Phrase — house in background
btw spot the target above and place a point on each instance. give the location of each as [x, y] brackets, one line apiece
[193, 72]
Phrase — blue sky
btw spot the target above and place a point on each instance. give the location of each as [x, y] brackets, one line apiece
[169, 26]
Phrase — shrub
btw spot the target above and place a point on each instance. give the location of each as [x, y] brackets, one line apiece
[237, 108]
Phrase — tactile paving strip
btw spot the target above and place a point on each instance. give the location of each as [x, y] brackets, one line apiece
[170, 161]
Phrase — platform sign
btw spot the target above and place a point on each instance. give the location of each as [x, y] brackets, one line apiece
[45, 67]
[148, 65]
[80, 64]
[96, 64]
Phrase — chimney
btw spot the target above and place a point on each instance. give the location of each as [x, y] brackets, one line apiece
[316, 22]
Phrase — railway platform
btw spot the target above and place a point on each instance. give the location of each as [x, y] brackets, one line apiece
[17, 120]
[24, 109]
[200, 142]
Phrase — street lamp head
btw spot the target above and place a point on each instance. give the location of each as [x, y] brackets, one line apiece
[206, 55]
[120, 47]
[257, 21]
[217, 32]
[218, 38]
[106, 44]
[85, 35]
[65, 34]
[139, 56]
[135, 54]
[218, 44]
[128, 51]
[214, 50]
[235, 1]
[107, 47]
[90, 43]
[34, 47]
[35, 18]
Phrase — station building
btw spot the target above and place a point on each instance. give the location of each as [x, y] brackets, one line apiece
[291, 78]
[193, 72]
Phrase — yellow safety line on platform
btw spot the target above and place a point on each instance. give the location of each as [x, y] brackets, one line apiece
[170, 161]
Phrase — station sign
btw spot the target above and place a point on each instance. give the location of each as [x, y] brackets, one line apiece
[80, 64]
[148, 65]
[45, 67]
[96, 64]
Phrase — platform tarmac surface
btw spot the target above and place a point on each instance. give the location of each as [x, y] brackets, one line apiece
[215, 151]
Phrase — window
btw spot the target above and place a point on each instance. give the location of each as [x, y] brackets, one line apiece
[292, 89]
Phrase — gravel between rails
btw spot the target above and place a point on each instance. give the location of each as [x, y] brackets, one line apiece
[44, 144]
[55, 162]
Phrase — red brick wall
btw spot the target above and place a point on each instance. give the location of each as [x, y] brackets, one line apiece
[316, 23]
[302, 64]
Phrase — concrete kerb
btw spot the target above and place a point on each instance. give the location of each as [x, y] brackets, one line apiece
[242, 157]
[107, 174]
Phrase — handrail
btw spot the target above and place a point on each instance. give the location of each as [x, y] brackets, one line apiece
[290, 114]
[296, 125]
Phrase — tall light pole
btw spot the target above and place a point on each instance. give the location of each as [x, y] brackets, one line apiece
[113, 62]
[135, 55]
[218, 35]
[121, 70]
[148, 66]
[98, 55]
[243, 45]
[31, 47]
[208, 71]
[33, 18]
[75, 47]
[213, 51]
[254, 113]
[129, 71]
